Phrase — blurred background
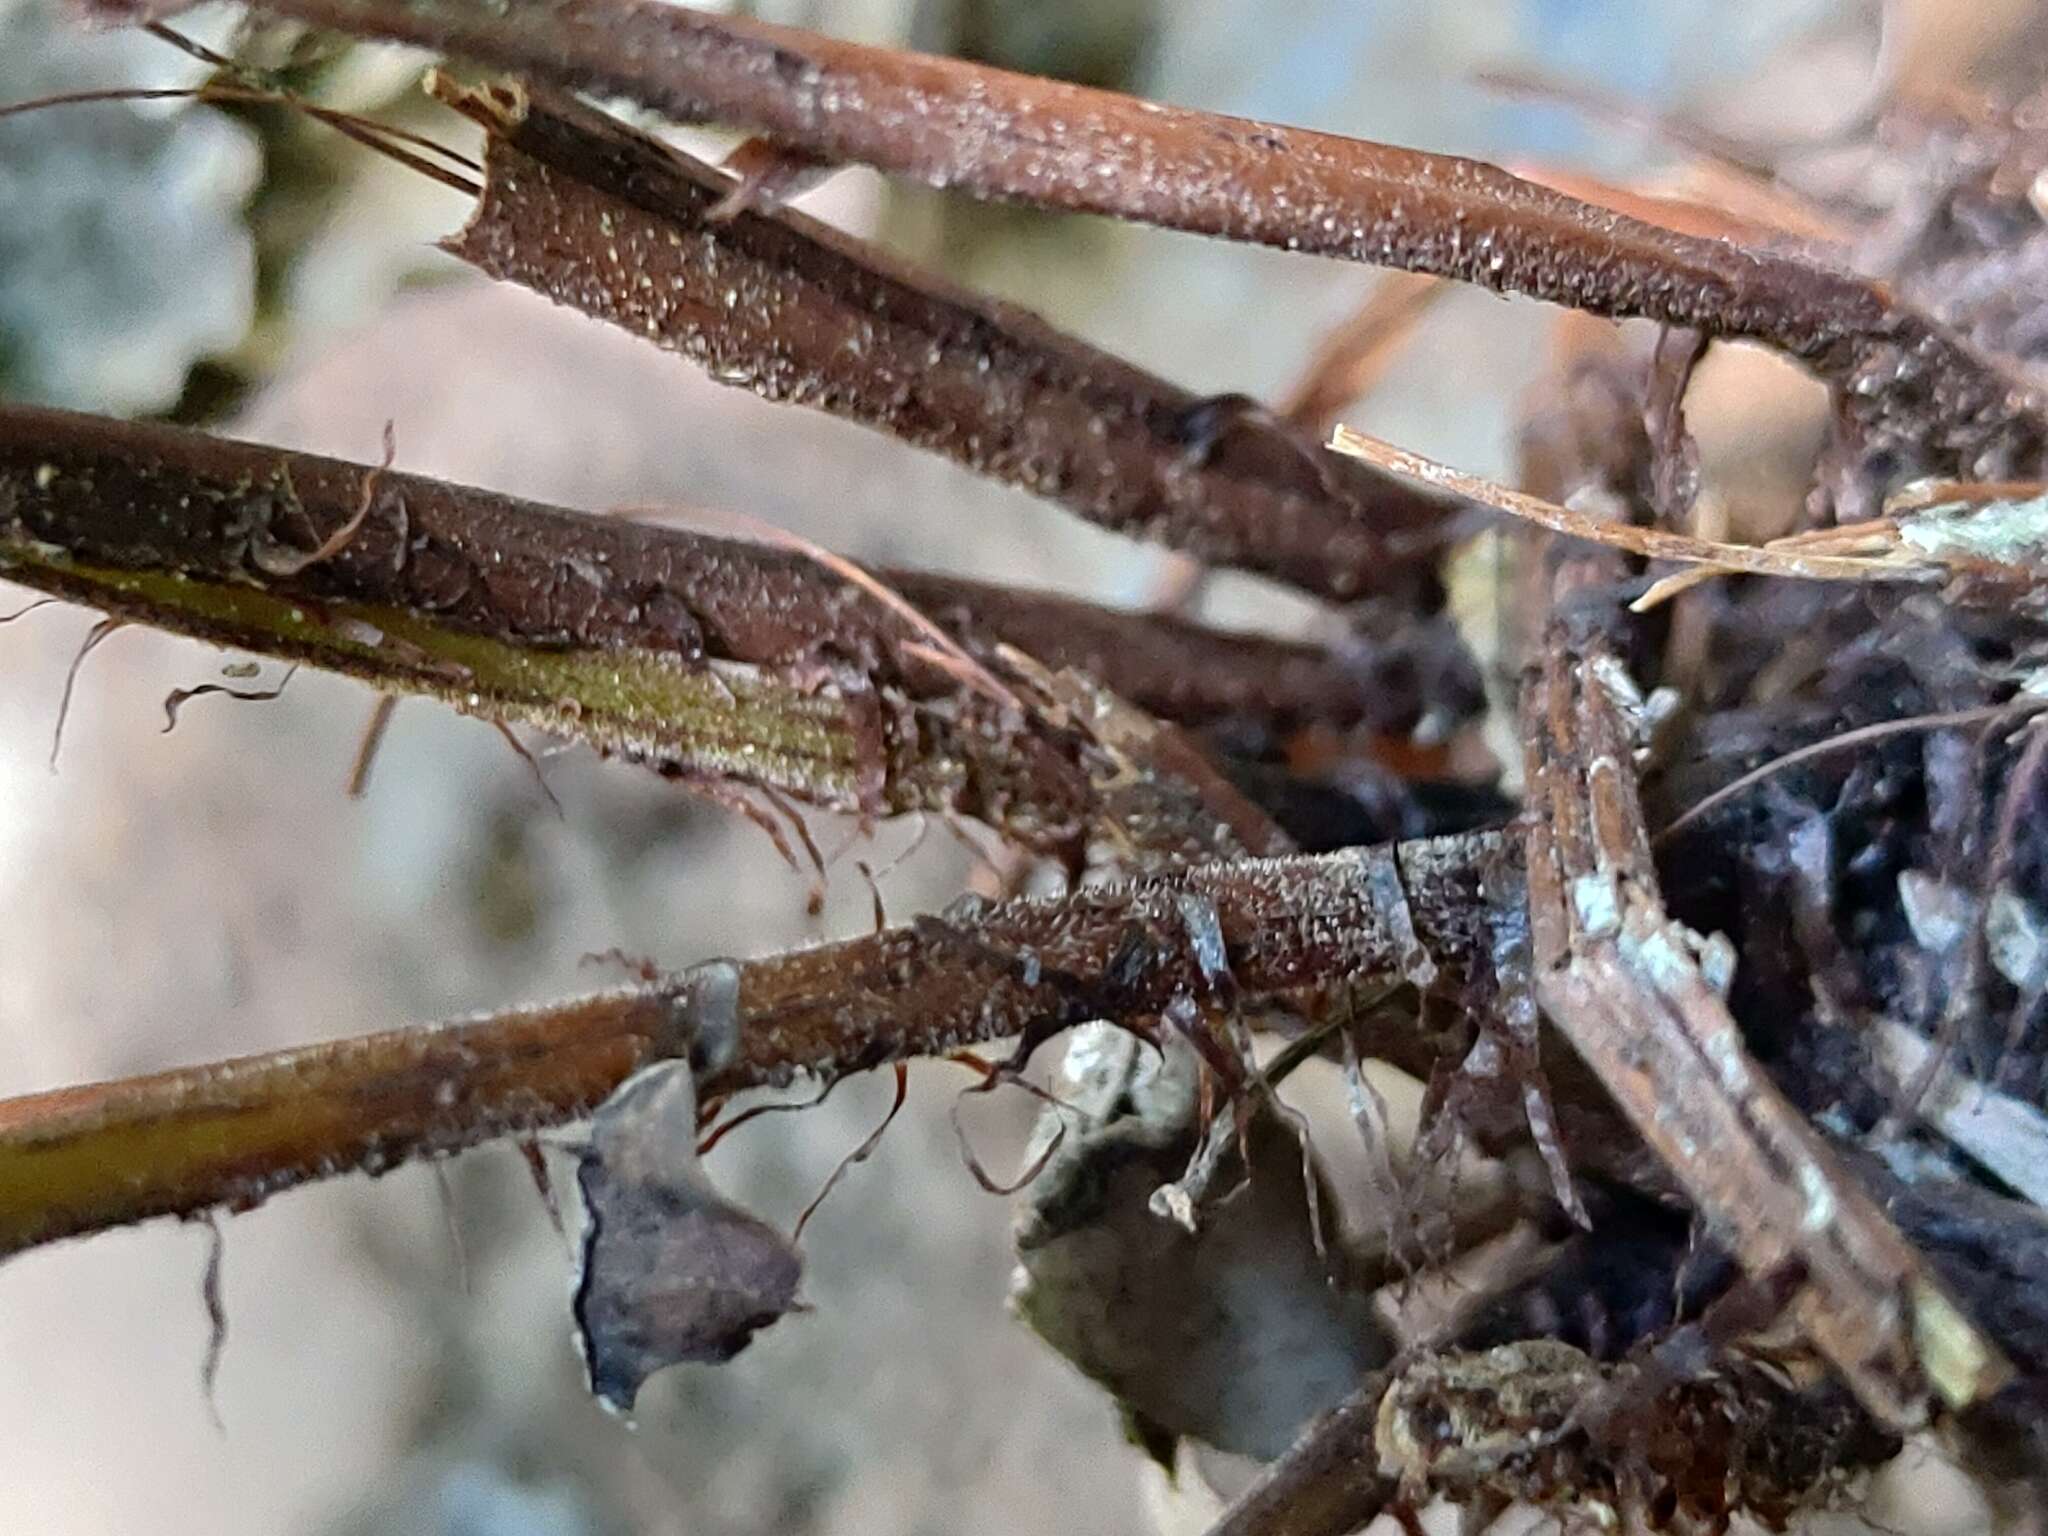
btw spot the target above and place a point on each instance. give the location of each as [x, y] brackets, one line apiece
[399, 1356]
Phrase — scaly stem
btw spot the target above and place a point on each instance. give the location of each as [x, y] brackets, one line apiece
[994, 134]
[1299, 929]
[619, 226]
[705, 657]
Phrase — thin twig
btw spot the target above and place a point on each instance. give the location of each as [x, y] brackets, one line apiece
[1843, 741]
[372, 135]
[263, 81]
[1326, 1484]
[2007, 1135]
[1785, 558]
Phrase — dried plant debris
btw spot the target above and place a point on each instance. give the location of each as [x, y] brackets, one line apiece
[1947, 199]
[1236, 1334]
[1991, 549]
[1675, 1437]
[1749, 1004]
[671, 1271]
[1637, 994]
[1524, 1423]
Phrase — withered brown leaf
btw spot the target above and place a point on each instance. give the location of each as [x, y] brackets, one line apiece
[671, 1271]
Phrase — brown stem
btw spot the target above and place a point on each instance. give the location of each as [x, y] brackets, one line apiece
[619, 226]
[1356, 356]
[999, 135]
[703, 656]
[82, 1159]
[992, 133]
[1626, 984]
[1326, 1484]
[1196, 676]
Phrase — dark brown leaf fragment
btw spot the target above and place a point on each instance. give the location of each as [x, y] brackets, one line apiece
[671, 1271]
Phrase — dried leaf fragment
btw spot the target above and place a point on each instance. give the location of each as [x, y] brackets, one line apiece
[1998, 541]
[1235, 1335]
[671, 1271]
